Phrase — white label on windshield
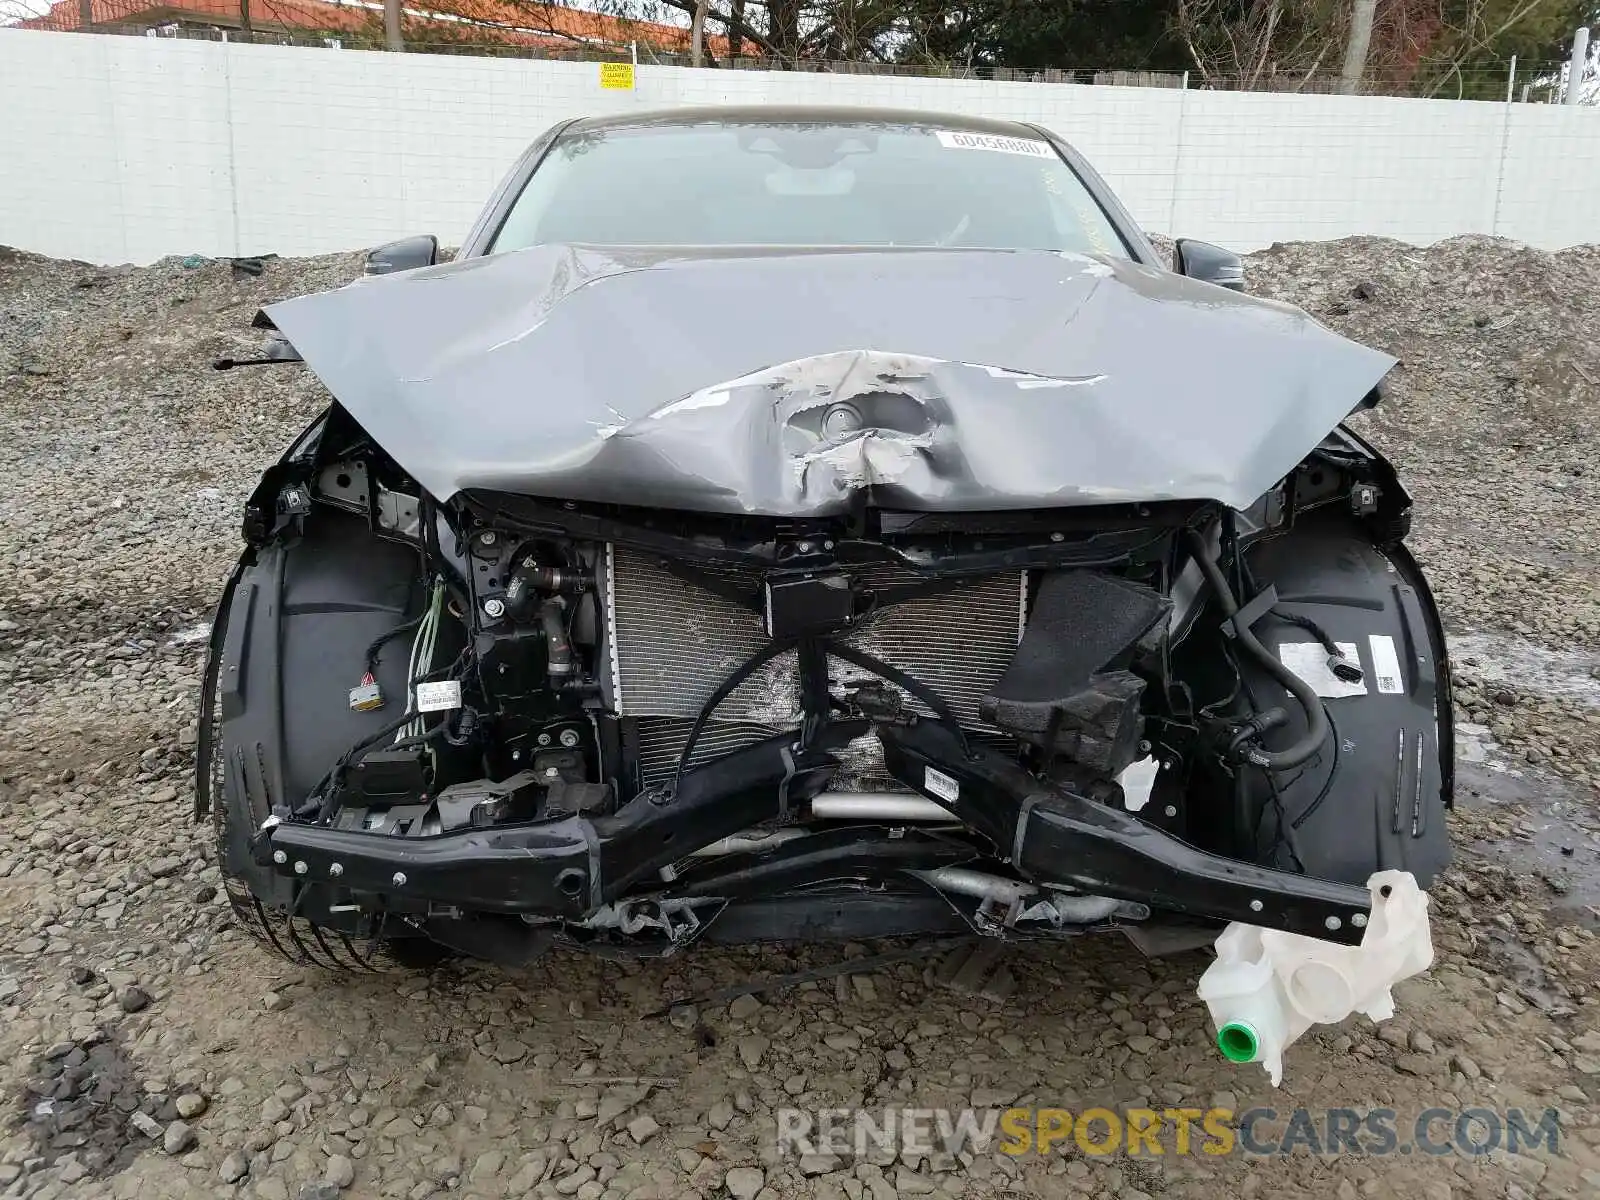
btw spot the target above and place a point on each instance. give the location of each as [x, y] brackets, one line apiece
[990, 141]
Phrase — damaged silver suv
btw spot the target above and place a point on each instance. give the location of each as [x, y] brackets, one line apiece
[813, 524]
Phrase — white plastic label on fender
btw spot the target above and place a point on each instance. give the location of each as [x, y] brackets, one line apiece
[1386, 664]
[436, 697]
[941, 785]
[951, 140]
[1309, 660]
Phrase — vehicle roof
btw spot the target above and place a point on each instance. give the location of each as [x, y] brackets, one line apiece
[837, 114]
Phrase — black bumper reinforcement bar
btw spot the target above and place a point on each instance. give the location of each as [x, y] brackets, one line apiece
[570, 866]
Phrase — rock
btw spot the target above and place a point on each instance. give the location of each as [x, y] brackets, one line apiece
[191, 1104]
[744, 1182]
[341, 1172]
[178, 1138]
[1464, 1065]
[487, 1166]
[83, 976]
[321, 1190]
[274, 1002]
[234, 1167]
[642, 1128]
[1526, 1165]
[721, 1115]
[751, 1050]
[744, 1007]
[571, 1183]
[274, 1110]
[1414, 1064]
[145, 1124]
[909, 1183]
[507, 1051]
[133, 998]
[614, 1104]
[526, 1177]
[817, 1164]
[205, 895]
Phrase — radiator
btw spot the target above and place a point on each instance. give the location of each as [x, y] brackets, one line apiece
[672, 643]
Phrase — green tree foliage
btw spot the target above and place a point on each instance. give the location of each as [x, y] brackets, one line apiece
[1077, 35]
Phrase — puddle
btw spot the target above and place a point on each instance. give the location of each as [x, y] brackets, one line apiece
[1572, 675]
[1556, 840]
[1558, 837]
[82, 1102]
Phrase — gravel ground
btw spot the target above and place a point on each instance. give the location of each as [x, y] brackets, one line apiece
[147, 1049]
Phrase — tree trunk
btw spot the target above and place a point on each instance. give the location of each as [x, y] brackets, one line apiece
[247, 32]
[392, 36]
[85, 13]
[783, 30]
[697, 35]
[1355, 50]
[736, 29]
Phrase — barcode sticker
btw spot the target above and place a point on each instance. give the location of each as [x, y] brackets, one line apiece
[941, 785]
[1386, 664]
[435, 697]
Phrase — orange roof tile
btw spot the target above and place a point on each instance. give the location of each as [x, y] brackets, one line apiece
[550, 25]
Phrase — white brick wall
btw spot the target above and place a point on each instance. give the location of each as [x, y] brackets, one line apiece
[124, 149]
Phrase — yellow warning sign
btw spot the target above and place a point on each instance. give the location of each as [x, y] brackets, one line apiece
[618, 76]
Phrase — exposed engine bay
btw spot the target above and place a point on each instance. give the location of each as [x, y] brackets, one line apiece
[498, 720]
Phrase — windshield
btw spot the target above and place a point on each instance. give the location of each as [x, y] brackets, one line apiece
[811, 184]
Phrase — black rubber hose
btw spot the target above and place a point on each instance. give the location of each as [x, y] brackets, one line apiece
[558, 650]
[1317, 728]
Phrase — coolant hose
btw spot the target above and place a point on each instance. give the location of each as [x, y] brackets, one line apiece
[1305, 695]
[558, 650]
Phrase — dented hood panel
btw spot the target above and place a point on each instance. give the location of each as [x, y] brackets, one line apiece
[786, 383]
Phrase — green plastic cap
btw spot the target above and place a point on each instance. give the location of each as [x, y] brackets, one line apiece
[1238, 1042]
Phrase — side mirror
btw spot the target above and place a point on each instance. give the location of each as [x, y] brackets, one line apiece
[1209, 264]
[405, 255]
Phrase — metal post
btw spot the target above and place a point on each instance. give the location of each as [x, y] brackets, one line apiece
[1511, 79]
[635, 49]
[1575, 68]
[1186, 81]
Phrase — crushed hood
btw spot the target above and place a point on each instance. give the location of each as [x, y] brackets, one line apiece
[788, 382]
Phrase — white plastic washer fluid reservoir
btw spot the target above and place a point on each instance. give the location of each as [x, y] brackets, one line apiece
[1268, 987]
